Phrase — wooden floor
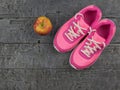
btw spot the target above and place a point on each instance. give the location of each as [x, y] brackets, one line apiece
[29, 61]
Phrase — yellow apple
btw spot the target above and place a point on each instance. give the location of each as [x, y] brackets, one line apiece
[42, 25]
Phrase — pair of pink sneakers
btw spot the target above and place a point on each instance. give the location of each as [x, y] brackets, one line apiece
[89, 33]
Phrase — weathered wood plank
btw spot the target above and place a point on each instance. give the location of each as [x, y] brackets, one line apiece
[59, 79]
[29, 61]
[21, 30]
[45, 56]
[34, 8]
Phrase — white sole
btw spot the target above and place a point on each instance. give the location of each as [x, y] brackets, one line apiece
[56, 48]
[73, 66]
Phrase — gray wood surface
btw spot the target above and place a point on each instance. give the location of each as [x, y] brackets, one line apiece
[29, 61]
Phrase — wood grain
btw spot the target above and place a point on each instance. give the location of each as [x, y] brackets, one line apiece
[21, 30]
[29, 61]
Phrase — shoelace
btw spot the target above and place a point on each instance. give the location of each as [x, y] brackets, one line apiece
[91, 30]
[88, 50]
[71, 34]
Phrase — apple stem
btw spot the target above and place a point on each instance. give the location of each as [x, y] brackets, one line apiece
[42, 24]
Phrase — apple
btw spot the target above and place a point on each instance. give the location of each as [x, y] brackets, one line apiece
[42, 25]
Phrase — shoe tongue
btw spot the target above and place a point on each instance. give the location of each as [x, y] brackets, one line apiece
[98, 38]
[83, 23]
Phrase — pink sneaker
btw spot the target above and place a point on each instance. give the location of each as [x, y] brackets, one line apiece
[90, 49]
[73, 31]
